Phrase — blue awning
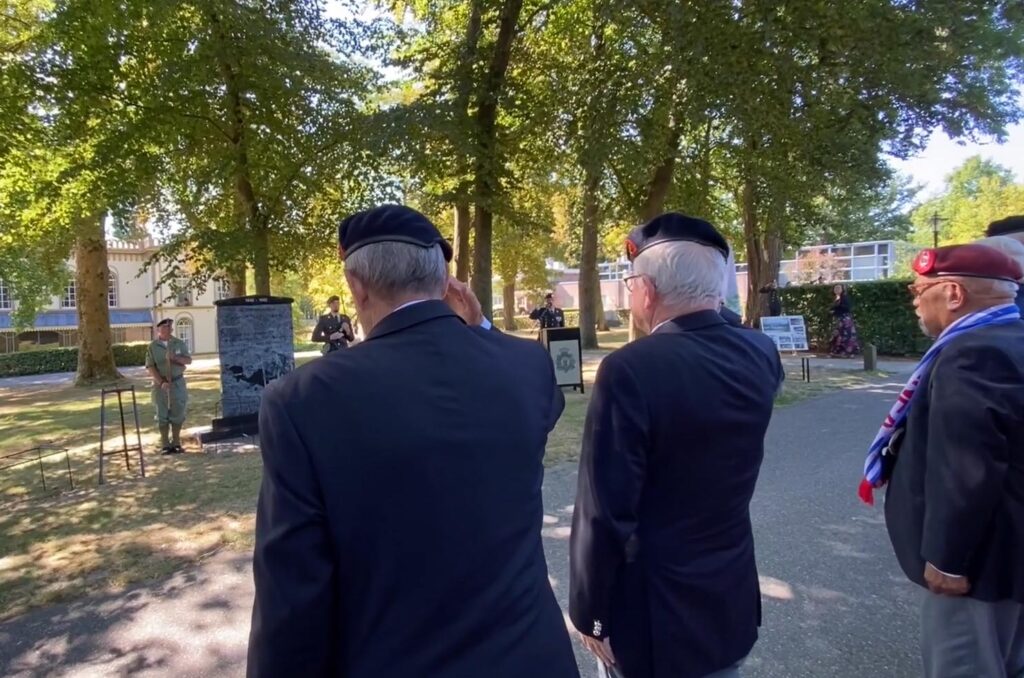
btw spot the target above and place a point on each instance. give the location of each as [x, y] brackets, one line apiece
[48, 319]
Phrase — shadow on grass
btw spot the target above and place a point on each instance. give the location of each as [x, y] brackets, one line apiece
[96, 539]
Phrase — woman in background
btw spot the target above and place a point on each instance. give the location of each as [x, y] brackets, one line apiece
[844, 337]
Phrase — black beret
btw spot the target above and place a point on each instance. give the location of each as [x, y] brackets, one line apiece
[389, 223]
[333, 298]
[165, 321]
[1014, 224]
[671, 227]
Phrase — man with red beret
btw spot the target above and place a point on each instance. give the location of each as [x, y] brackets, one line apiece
[952, 452]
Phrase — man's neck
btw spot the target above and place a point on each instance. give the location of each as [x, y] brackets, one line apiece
[663, 315]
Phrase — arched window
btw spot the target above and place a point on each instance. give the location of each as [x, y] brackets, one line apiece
[183, 330]
[112, 289]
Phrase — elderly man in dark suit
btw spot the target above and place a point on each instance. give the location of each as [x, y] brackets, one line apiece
[398, 534]
[952, 451]
[663, 578]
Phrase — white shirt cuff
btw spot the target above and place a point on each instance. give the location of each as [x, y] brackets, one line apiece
[954, 576]
[485, 324]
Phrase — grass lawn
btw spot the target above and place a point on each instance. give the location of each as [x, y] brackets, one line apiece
[62, 544]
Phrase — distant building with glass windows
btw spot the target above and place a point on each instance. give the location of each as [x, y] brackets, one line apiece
[844, 262]
[136, 303]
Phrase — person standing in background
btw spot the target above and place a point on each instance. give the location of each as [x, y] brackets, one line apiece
[548, 315]
[166, 359]
[844, 342]
[333, 330]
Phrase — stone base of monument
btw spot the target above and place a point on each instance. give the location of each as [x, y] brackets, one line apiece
[227, 428]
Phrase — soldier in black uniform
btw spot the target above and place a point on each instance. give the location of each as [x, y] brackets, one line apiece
[333, 329]
[548, 315]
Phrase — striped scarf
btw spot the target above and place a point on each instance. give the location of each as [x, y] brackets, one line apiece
[873, 475]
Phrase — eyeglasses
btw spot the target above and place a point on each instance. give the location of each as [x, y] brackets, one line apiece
[917, 290]
[629, 281]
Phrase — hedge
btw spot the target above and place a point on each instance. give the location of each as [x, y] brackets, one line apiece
[64, 360]
[882, 311]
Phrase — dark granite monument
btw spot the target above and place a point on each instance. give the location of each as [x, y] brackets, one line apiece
[256, 346]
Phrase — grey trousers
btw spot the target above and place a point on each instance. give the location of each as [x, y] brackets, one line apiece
[968, 638]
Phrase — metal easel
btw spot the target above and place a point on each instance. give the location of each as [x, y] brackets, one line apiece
[125, 447]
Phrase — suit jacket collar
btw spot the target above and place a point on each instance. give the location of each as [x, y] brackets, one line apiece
[404, 318]
[692, 321]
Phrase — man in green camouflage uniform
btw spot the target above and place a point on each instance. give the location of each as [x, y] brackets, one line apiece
[166, 359]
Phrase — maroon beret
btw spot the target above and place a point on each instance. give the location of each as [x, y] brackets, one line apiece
[969, 261]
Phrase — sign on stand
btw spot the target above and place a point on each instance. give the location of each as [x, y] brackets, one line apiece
[563, 344]
[787, 331]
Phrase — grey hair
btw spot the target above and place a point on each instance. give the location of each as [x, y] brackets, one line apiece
[986, 287]
[684, 273]
[393, 269]
[1011, 247]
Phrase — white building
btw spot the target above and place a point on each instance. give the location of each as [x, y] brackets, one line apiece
[136, 304]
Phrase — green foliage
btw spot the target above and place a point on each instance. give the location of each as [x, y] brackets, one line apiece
[882, 311]
[977, 193]
[64, 360]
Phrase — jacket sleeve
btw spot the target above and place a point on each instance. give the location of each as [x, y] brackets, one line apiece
[536, 313]
[318, 332]
[967, 454]
[613, 467]
[295, 611]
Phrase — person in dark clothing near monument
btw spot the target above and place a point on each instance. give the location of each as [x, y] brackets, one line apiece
[844, 342]
[1011, 227]
[334, 329]
[398, 529]
[774, 302]
[952, 453]
[548, 315]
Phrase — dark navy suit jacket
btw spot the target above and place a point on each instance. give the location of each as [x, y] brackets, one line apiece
[662, 554]
[956, 496]
[398, 533]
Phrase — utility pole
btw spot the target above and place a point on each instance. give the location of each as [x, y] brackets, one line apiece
[936, 220]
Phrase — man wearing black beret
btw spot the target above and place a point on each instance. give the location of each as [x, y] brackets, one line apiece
[398, 533]
[1010, 227]
[952, 453]
[663, 580]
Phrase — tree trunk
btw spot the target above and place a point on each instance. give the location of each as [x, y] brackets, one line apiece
[508, 294]
[95, 352]
[483, 226]
[589, 281]
[461, 252]
[261, 261]
[602, 321]
[654, 203]
[762, 250]
[487, 161]
[246, 203]
[236, 276]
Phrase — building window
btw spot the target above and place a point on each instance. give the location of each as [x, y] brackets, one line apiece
[182, 292]
[5, 297]
[222, 289]
[112, 290]
[70, 297]
[183, 330]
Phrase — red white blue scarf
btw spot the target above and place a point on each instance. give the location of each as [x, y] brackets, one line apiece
[873, 475]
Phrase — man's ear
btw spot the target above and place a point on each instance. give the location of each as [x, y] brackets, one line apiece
[650, 292]
[359, 293]
[956, 297]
